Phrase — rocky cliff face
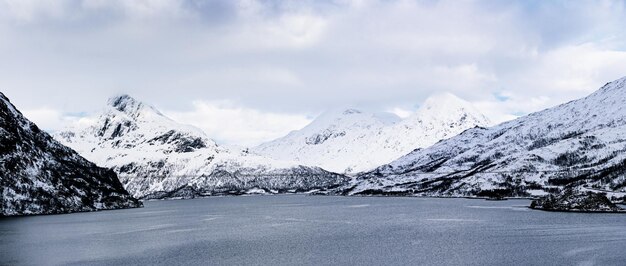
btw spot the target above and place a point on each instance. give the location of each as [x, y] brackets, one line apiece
[38, 175]
[157, 157]
[578, 144]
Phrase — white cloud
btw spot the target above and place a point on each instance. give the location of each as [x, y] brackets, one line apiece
[45, 118]
[401, 112]
[228, 123]
[52, 120]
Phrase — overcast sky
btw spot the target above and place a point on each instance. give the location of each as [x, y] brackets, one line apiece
[247, 71]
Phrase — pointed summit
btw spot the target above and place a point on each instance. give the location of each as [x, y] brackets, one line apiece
[448, 107]
[126, 104]
[157, 157]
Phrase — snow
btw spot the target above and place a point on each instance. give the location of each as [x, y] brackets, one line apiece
[582, 138]
[41, 176]
[351, 141]
[153, 153]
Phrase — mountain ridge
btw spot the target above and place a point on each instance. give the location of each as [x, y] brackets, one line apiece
[352, 141]
[573, 144]
[157, 157]
[38, 175]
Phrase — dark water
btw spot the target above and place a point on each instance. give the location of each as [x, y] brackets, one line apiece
[287, 230]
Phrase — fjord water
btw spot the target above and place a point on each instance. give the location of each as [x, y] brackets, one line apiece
[297, 229]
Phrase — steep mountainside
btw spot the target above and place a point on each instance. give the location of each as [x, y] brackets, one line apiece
[157, 157]
[578, 144]
[352, 141]
[38, 175]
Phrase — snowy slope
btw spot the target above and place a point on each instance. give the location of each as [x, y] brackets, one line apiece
[157, 157]
[581, 144]
[38, 175]
[352, 141]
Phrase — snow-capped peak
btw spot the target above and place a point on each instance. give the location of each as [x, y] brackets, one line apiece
[126, 123]
[579, 144]
[449, 108]
[158, 157]
[130, 106]
[132, 109]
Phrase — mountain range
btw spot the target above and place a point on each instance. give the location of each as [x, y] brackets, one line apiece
[156, 157]
[579, 144]
[351, 140]
[448, 152]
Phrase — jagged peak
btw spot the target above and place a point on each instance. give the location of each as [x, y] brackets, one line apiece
[129, 105]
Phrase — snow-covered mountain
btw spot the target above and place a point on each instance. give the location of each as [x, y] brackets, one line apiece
[157, 157]
[350, 141]
[38, 175]
[580, 144]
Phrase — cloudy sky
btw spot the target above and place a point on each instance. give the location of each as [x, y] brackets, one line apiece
[246, 71]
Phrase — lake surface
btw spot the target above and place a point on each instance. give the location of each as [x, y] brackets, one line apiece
[297, 229]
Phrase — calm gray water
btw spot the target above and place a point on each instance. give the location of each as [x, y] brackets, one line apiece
[287, 230]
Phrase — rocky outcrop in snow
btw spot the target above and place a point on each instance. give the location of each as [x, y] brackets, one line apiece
[352, 141]
[38, 175]
[157, 157]
[579, 144]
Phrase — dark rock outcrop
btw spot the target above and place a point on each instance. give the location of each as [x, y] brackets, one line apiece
[575, 201]
[38, 175]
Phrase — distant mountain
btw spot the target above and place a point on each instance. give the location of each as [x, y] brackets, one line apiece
[352, 140]
[157, 157]
[38, 175]
[579, 144]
